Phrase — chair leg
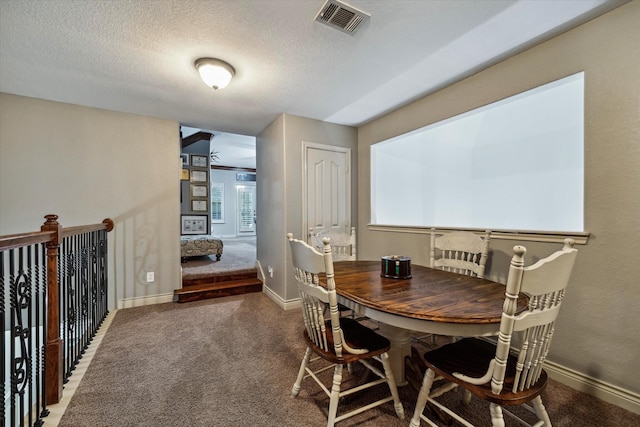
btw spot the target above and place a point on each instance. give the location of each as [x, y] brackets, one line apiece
[540, 411]
[303, 366]
[422, 397]
[466, 397]
[388, 372]
[497, 419]
[335, 395]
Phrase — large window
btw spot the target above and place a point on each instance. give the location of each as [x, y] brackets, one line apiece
[516, 164]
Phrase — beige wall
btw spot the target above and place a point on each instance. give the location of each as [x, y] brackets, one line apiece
[597, 333]
[280, 191]
[271, 200]
[86, 164]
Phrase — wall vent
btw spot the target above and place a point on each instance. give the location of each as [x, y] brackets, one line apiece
[341, 16]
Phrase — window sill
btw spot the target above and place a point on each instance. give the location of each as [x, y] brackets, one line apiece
[521, 235]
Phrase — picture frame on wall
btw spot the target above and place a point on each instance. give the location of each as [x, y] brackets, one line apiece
[199, 205]
[199, 190]
[185, 159]
[199, 161]
[198, 176]
[184, 175]
[193, 224]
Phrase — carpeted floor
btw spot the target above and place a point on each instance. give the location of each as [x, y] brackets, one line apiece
[238, 254]
[231, 362]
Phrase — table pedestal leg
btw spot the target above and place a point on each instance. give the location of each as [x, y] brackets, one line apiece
[400, 347]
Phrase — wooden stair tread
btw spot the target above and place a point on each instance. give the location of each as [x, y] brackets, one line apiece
[188, 282]
[219, 285]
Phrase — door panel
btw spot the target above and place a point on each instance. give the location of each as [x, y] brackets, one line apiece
[328, 188]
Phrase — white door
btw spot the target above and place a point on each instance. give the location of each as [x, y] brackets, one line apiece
[327, 188]
[246, 209]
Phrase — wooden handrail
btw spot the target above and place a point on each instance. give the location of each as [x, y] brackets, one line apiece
[106, 224]
[13, 241]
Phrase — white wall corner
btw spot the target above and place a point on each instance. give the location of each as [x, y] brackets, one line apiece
[283, 304]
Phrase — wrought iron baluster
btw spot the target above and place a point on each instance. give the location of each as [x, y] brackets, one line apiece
[3, 349]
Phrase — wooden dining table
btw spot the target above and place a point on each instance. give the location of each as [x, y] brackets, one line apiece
[430, 301]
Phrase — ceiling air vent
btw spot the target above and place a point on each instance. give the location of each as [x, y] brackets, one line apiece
[341, 16]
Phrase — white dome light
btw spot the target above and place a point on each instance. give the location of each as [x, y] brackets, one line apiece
[215, 73]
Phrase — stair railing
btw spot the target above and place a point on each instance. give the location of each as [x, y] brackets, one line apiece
[53, 300]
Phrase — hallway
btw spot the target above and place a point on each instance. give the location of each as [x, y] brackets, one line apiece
[238, 253]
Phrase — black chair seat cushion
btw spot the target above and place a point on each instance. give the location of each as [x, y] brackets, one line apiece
[471, 357]
[357, 336]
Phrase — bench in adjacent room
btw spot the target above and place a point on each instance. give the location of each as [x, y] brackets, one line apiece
[200, 245]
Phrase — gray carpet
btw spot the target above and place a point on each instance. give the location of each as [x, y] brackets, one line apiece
[238, 254]
[231, 362]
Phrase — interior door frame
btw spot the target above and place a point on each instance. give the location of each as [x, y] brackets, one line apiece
[305, 157]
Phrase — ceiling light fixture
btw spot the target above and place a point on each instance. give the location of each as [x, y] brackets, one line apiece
[215, 73]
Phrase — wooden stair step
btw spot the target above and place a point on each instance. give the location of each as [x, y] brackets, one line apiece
[220, 285]
[219, 278]
[200, 291]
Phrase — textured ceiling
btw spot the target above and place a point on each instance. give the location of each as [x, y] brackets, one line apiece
[137, 56]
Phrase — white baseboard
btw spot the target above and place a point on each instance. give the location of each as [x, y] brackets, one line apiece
[615, 395]
[146, 300]
[285, 305]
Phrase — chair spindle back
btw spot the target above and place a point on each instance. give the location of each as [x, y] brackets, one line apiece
[343, 245]
[459, 252]
[308, 264]
[545, 283]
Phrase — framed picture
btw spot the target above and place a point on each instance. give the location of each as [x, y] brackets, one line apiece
[198, 161]
[194, 224]
[198, 190]
[199, 205]
[198, 176]
[184, 175]
[185, 159]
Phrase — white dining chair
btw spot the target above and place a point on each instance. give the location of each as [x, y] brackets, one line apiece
[337, 341]
[343, 244]
[460, 252]
[343, 248]
[497, 373]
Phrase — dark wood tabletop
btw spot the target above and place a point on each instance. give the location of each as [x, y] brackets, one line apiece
[430, 294]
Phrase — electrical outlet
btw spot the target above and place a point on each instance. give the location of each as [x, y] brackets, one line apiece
[270, 270]
[150, 276]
